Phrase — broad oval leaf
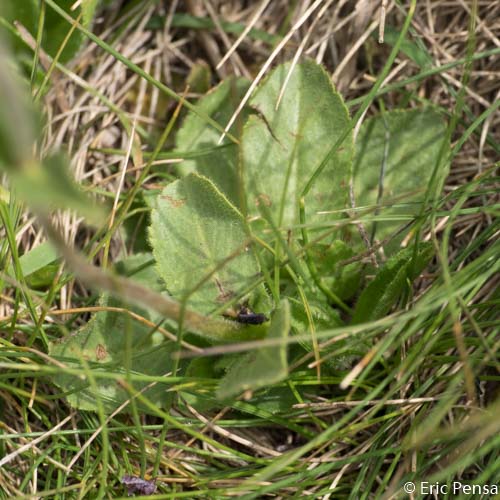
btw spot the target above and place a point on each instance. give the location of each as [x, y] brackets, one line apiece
[112, 342]
[398, 151]
[281, 148]
[201, 245]
[217, 162]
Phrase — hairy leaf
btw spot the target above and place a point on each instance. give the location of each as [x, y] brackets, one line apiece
[342, 279]
[397, 151]
[281, 148]
[113, 342]
[201, 246]
[388, 285]
[219, 162]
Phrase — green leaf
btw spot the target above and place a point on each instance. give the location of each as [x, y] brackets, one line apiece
[43, 184]
[277, 400]
[114, 343]
[219, 164]
[20, 124]
[202, 397]
[185, 20]
[48, 185]
[324, 317]
[390, 282]
[405, 146]
[199, 77]
[25, 12]
[44, 277]
[55, 28]
[201, 246]
[342, 279]
[135, 226]
[281, 148]
[264, 366]
[37, 258]
[88, 8]
[414, 49]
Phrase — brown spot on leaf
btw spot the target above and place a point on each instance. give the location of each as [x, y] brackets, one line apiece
[176, 203]
[264, 199]
[100, 352]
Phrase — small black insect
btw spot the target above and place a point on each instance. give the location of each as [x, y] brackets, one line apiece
[247, 316]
